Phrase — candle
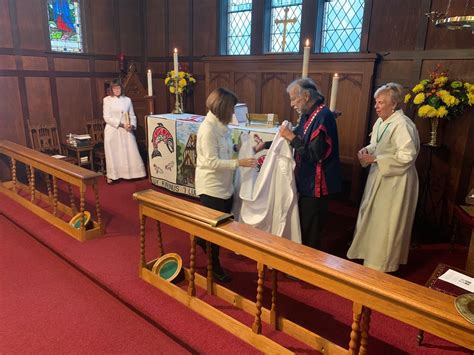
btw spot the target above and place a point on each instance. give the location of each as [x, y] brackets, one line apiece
[335, 84]
[149, 82]
[304, 73]
[175, 62]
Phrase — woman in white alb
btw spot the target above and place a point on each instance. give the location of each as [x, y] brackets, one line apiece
[384, 225]
[123, 161]
[215, 166]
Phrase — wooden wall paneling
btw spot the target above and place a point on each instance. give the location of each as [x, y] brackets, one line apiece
[131, 27]
[102, 27]
[7, 62]
[156, 19]
[6, 40]
[71, 64]
[217, 80]
[273, 83]
[74, 104]
[106, 66]
[178, 27]
[200, 97]
[40, 106]
[399, 71]
[11, 123]
[34, 63]
[33, 30]
[246, 89]
[203, 33]
[393, 25]
[442, 38]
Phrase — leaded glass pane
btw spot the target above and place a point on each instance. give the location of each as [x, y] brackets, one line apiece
[239, 25]
[285, 26]
[65, 30]
[342, 26]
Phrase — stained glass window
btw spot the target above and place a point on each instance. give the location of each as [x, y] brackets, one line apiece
[65, 30]
[285, 25]
[239, 26]
[342, 26]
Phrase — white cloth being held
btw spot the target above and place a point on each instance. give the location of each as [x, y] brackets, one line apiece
[269, 198]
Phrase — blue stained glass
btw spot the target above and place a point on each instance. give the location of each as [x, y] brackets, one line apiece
[342, 26]
[285, 26]
[65, 30]
[239, 26]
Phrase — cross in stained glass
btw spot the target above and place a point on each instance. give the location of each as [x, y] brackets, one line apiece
[285, 21]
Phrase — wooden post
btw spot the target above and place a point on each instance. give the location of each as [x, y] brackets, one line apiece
[274, 310]
[32, 184]
[192, 266]
[97, 206]
[160, 239]
[364, 330]
[13, 170]
[71, 199]
[257, 323]
[209, 267]
[354, 343]
[55, 195]
[142, 240]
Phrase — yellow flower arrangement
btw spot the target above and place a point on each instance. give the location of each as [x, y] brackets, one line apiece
[185, 82]
[440, 97]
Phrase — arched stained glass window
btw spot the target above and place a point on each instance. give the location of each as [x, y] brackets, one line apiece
[285, 25]
[65, 30]
[239, 26]
[342, 26]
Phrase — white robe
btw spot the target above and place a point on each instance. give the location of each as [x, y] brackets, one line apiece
[121, 151]
[269, 199]
[384, 225]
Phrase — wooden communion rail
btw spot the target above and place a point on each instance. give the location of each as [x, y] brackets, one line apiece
[368, 289]
[52, 169]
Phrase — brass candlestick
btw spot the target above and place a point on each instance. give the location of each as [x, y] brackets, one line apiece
[178, 107]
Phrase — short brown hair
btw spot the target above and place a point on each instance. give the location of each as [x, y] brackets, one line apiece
[116, 82]
[221, 103]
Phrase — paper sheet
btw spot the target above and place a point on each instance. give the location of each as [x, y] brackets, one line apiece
[458, 279]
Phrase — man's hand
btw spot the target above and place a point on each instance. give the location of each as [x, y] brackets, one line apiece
[286, 133]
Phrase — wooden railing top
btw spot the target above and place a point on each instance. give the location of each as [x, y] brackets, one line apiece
[398, 298]
[45, 162]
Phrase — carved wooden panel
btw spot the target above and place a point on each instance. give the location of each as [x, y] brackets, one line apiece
[75, 105]
[5, 31]
[246, 88]
[40, 107]
[273, 83]
[11, 124]
[217, 80]
[34, 63]
[67, 64]
[31, 20]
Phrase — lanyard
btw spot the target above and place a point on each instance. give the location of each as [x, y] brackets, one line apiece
[379, 137]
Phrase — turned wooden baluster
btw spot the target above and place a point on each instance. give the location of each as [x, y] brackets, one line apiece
[354, 343]
[13, 170]
[95, 188]
[257, 323]
[364, 330]
[192, 266]
[82, 206]
[55, 195]
[209, 267]
[32, 183]
[273, 310]
[71, 199]
[48, 187]
[160, 239]
[142, 241]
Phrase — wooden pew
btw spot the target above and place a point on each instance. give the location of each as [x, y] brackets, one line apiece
[53, 169]
[368, 289]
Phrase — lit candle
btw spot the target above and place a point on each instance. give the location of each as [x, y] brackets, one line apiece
[304, 73]
[150, 84]
[175, 62]
[335, 84]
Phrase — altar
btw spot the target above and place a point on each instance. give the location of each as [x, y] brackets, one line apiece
[171, 141]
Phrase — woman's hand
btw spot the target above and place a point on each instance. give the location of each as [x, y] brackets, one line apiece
[248, 162]
[366, 158]
[259, 147]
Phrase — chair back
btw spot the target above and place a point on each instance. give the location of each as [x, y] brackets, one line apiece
[269, 119]
[95, 129]
[45, 138]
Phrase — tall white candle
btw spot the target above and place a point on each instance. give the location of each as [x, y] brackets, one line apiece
[175, 62]
[304, 73]
[149, 82]
[335, 84]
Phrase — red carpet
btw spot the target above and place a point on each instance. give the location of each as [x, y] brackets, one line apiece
[112, 261]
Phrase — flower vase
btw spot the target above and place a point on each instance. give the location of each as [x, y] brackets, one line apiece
[434, 132]
[178, 104]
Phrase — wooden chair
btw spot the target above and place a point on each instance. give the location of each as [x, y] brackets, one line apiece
[95, 129]
[269, 119]
[45, 138]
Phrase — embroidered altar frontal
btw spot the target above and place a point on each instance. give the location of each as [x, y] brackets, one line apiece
[171, 141]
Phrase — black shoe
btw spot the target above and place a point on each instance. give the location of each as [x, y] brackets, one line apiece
[221, 275]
